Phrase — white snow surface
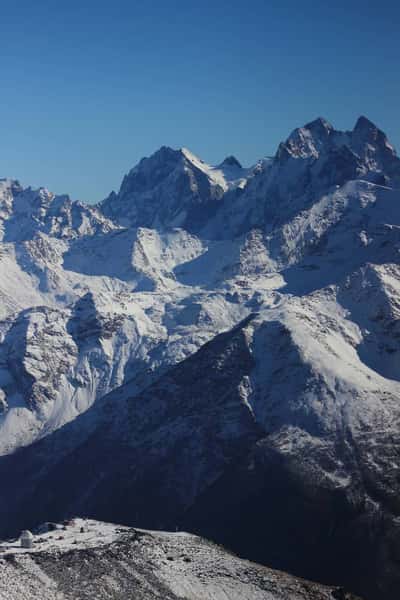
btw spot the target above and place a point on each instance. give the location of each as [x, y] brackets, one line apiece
[227, 176]
[95, 297]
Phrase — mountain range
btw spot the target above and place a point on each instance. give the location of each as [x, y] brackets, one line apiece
[214, 348]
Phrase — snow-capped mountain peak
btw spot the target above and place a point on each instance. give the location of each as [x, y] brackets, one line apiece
[172, 188]
[228, 174]
[372, 145]
[26, 211]
[308, 141]
[231, 161]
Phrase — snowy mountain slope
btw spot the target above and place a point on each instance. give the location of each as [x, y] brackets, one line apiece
[285, 398]
[86, 332]
[147, 257]
[125, 563]
[289, 418]
[55, 364]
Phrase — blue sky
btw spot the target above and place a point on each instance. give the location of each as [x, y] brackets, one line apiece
[88, 88]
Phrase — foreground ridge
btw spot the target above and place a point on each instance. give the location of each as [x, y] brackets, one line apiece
[90, 559]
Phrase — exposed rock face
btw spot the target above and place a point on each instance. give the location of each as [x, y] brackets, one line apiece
[172, 188]
[215, 348]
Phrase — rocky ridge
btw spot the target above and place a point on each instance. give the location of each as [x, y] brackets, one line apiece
[106, 561]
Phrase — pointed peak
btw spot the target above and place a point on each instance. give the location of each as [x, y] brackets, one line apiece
[306, 141]
[367, 135]
[366, 131]
[167, 152]
[163, 156]
[231, 161]
[166, 149]
[318, 128]
[319, 125]
[365, 124]
[163, 151]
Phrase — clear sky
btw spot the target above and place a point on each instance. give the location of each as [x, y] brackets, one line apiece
[88, 88]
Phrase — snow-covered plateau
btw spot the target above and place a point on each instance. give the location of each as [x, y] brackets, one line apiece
[214, 348]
